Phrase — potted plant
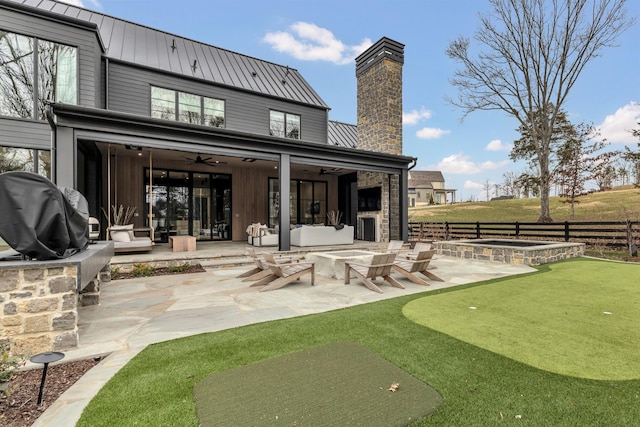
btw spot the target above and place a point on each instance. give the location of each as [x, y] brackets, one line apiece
[333, 218]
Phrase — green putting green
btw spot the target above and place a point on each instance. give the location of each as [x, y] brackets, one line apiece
[331, 385]
[579, 318]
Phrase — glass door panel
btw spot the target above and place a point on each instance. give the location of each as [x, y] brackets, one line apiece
[158, 204]
[221, 198]
[319, 206]
[201, 205]
[306, 202]
[178, 203]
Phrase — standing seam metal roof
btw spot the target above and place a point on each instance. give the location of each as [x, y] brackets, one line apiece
[145, 46]
[342, 134]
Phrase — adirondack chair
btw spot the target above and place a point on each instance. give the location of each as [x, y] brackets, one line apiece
[395, 246]
[417, 248]
[261, 271]
[409, 268]
[380, 266]
[286, 273]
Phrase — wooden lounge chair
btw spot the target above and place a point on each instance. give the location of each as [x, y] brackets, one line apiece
[286, 272]
[395, 246]
[380, 266]
[409, 268]
[417, 248]
[260, 272]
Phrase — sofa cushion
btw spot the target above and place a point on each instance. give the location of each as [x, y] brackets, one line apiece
[321, 236]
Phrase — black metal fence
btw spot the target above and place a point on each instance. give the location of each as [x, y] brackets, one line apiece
[609, 233]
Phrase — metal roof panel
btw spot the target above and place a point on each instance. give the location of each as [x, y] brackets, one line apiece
[128, 41]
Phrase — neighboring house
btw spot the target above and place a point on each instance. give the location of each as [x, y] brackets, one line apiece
[201, 140]
[428, 187]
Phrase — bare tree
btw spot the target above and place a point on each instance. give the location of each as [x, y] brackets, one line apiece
[509, 185]
[536, 50]
[487, 188]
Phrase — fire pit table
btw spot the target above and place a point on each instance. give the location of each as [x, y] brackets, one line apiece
[331, 264]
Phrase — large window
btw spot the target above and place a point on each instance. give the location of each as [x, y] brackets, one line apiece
[23, 159]
[34, 72]
[284, 125]
[186, 107]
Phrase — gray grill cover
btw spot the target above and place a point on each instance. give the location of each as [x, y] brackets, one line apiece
[40, 220]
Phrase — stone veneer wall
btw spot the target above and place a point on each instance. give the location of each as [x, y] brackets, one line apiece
[39, 307]
[380, 130]
[510, 255]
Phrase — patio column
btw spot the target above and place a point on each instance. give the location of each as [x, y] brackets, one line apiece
[403, 195]
[284, 178]
[63, 156]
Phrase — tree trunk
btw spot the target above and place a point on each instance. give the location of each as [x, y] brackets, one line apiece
[545, 214]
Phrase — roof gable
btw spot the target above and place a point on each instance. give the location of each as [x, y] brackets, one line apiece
[424, 179]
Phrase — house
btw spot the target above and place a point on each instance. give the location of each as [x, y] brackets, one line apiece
[202, 141]
[428, 187]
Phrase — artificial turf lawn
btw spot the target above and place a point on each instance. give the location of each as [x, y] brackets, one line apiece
[575, 318]
[332, 385]
[479, 387]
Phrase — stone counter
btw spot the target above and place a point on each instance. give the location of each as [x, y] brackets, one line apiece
[39, 299]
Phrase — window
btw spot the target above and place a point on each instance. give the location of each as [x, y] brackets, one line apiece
[186, 107]
[284, 125]
[23, 159]
[163, 103]
[34, 72]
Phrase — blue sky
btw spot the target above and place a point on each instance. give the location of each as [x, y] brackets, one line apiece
[321, 38]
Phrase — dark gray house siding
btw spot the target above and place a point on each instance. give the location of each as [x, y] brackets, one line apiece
[129, 92]
[22, 133]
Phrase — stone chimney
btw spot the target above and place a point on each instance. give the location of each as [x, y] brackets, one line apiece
[379, 79]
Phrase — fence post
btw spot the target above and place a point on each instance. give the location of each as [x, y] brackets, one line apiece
[446, 230]
[477, 229]
[566, 231]
[517, 230]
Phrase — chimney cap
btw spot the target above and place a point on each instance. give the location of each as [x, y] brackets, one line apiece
[383, 48]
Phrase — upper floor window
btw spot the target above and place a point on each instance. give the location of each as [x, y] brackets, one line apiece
[186, 107]
[284, 125]
[34, 72]
[23, 159]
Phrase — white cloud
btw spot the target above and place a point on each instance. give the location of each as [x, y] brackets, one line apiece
[414, 116]
[617, 127]
[431, 133]
[308, 42]
[462, 164]
[470, 185]
[497, 145]
[80, 3]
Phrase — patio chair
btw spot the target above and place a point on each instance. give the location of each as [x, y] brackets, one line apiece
[417, 248]
[409, 268]
[261, 271]
[287, 272]
[380, 266]
[395, 246]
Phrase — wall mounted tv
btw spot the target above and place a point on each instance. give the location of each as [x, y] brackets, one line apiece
[370, 199]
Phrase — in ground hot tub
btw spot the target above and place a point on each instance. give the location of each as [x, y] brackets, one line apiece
[331, 264]
[510, 251]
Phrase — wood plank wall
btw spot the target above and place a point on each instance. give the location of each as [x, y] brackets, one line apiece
[249, 187]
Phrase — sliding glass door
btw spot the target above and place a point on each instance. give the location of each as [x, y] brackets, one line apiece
[189, 203]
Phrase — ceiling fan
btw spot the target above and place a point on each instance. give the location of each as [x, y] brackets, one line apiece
[199, 160]
[323, 171]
